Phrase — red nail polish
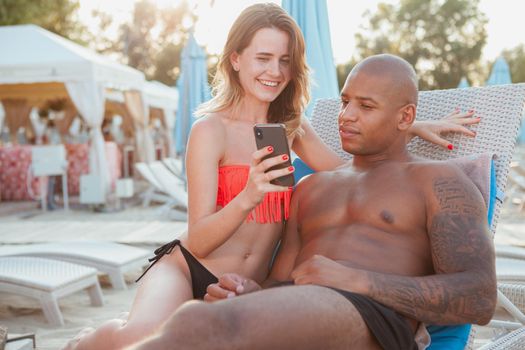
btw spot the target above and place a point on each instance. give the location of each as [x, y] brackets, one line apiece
[270, 149]
[471, 111]
[450, 146]
[290, 168]
[285, 157]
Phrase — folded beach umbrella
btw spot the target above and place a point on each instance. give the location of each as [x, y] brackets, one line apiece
[463, 83]
[312, 18]
[193, 90]
[500, 73]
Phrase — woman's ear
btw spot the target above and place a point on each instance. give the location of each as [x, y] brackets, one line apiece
[234, 60]
[408, 116]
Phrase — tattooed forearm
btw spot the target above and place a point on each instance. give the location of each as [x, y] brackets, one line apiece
[439, 299]
[464, 287]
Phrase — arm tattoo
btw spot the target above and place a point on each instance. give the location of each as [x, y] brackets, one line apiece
[464, 287]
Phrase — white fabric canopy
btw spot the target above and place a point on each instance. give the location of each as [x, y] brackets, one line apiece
[166, 98]
[31, 54]
[88, 97]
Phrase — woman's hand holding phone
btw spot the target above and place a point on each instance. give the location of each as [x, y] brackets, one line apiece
[259, 177]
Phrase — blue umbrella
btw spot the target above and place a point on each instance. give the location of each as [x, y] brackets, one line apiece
[463, 83]
[312, 18]
[193, 90]
[500, 73]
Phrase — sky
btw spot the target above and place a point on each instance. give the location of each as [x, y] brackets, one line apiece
[504, 27]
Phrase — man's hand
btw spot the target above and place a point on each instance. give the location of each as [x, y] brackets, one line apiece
[322, 271]
[229, 286]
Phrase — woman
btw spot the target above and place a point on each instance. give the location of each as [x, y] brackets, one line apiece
[234, 214]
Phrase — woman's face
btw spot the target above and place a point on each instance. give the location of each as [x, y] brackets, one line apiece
[264, 66]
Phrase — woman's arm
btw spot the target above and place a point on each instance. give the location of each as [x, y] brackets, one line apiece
[318, 156]
[432, 130]
[207, 227]
[313, 151]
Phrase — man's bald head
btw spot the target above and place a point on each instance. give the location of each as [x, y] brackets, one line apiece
[398, 74]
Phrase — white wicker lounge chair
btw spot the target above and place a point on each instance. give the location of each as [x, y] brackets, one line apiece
[171, 184]
[500, 107]
[107, 257]
[175, 166]
[47, 280]
[155, 192]
[165, 187]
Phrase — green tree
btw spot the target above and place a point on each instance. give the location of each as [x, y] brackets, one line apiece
[516, 59]
[57, 16]
[442, 39]
[153, 40]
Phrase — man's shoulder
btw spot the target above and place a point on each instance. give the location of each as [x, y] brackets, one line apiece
[431, 169]
[314, 180]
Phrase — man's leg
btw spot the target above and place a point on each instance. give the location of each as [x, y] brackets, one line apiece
[296, 317]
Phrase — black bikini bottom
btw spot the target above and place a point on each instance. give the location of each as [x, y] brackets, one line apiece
[201, 277]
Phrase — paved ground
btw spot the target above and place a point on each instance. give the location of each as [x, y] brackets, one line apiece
[145, 227]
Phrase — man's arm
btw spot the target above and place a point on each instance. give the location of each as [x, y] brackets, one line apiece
[464, 288]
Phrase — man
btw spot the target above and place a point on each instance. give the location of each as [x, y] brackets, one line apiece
[373, 249]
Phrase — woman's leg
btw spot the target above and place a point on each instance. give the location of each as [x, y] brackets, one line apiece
[166, 286]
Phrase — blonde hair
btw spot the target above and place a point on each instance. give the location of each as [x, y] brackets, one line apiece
[227, 91]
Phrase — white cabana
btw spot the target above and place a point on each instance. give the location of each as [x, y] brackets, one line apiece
[166, 99]
[36, 65]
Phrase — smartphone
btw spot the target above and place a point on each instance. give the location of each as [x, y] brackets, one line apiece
[275, 135]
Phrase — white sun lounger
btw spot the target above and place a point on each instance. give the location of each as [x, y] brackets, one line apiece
[107, 257]
[175, 166]
[165, 187]
[47, 280]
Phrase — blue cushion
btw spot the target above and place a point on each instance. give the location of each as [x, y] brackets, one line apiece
[301, 169]
[442, 337]
[449, 337]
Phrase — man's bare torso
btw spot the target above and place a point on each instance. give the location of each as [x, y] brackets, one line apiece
[373, 220]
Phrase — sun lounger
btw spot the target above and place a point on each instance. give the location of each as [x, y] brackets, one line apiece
[175, 166]
[47, 280]
[165, 187]
[510, 251]
[107, 257]
[20, 342]
[170, 183]
[500, 107]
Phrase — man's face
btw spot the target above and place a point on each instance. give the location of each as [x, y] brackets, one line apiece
[369, 114]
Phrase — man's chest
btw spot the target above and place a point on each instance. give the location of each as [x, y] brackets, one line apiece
[387, 202]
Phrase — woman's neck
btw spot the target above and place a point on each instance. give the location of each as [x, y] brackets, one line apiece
[251, 110]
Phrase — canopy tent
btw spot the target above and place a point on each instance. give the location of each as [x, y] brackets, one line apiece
[312, 18]
[36, 65]
[160, 97]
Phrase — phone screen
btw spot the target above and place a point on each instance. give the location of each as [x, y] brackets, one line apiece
[275, 135]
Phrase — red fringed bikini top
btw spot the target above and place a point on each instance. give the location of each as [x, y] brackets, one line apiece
[232, 180]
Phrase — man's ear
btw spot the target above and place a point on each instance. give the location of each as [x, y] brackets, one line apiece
[408, 116]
